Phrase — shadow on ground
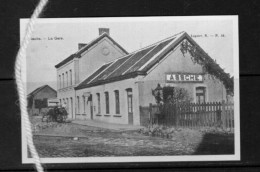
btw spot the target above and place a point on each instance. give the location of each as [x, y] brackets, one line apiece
[216, 144]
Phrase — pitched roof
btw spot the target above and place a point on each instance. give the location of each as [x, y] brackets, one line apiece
[38, 90]
[87, 46]
[133, 64]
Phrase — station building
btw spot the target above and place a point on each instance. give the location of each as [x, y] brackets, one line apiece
[78, 66]
[116, 90]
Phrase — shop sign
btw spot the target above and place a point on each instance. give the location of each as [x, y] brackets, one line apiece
[184, 77]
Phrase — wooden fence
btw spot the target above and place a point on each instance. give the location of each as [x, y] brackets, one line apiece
[194, 115]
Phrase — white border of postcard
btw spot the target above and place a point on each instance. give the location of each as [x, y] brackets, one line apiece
[234, 157]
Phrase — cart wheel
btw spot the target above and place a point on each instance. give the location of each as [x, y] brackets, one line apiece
[45, 118]
[59, 118]
[65, 117]
[49, 119]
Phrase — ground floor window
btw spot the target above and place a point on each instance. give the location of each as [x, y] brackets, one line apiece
[107, 102]
[117, 103]
[67, 104]
[98, 103]
[200, 94]
[71, 106]
[84, 103]
[78, 103]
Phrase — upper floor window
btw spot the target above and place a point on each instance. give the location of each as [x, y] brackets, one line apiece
[70, 77]
[200, 94]
[117, 103]
[63, 80]
[107, 102]
[59, 82]
[67, 83]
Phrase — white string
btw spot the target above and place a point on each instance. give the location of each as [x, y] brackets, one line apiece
[20, 59]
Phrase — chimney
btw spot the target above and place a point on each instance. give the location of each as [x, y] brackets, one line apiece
[80, 45]
[103, 30]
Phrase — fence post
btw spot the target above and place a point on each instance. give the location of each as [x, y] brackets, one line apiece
[176, 111]
[223, 115]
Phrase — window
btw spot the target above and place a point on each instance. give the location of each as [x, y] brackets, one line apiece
[117, 103]
[84, 103]
[67, 79]
[63, 80]
[59, 82]
[98, 101]
[78, 104]
[107, 102]
[200, 94]
[67, 104]
[71, 106]
[70, 77]
[130, 100]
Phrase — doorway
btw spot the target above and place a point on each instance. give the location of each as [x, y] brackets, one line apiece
[130, 106]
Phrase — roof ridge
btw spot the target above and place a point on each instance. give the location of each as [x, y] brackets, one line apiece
[134, 52]
[168, 45]
[158, 42]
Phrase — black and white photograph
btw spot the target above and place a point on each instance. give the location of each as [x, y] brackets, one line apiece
[132, 89]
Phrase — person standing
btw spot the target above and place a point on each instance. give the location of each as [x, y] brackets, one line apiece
[65, 106]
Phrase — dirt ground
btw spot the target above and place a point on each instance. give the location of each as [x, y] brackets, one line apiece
[73, 140]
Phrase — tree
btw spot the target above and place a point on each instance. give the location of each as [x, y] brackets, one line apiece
[170, 95]
[168, 98]
[174, 95]
[198, 56]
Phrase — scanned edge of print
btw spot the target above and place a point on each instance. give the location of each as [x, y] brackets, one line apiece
[133, 89]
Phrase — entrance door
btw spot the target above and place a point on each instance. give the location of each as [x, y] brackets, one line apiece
[130, 106]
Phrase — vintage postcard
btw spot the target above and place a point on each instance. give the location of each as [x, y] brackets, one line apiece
[133, 89]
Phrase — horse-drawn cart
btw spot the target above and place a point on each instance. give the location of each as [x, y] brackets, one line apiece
[55, 114]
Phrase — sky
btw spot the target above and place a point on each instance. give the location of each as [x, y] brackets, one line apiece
[55, 39]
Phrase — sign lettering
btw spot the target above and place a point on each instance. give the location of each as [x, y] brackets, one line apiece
[184, 77]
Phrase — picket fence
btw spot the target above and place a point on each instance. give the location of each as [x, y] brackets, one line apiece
[194, 115]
